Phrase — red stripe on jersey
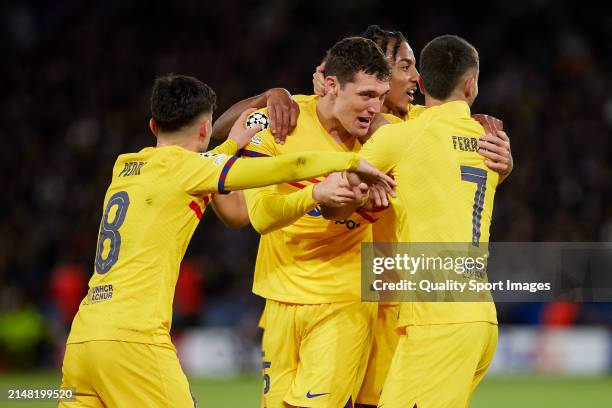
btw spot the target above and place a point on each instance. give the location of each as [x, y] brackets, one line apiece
[298, 185]
[196, 209]
[366, 216]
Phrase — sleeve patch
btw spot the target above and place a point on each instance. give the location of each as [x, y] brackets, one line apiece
[258, 118]
[219, 158]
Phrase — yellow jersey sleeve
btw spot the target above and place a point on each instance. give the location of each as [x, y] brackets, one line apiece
[240, 174]
[199, 173]
[269, 210]
[229, 147]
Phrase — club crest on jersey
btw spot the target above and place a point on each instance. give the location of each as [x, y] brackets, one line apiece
[258, 118]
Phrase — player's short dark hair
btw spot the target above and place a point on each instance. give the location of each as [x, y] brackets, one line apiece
[354, 54]
[443, 62]
[381, 38]
[177, 100]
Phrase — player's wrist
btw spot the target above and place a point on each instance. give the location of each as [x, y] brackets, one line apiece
[230, 146]
[354, 161]
[318, 196]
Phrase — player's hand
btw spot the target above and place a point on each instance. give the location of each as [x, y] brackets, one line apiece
[241, 135]
[370, 175]
[495, 145]
[377, 197]
[335, 191]
[318, 80]
[283, 111]
[496, 148]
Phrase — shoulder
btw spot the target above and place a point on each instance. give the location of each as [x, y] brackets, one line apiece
[217, 158]
[179, 155]
[259, 117]
[262, 144]
[305, 99]
[307, 104]
[396, 137]
[414, 111]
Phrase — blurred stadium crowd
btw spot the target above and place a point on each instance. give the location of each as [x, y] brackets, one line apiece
[77, 77]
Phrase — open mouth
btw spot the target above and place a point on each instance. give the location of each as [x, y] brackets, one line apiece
[364, 121]
[411, 93]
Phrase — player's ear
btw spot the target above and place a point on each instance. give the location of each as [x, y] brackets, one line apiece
[470, 86]
[153, 126]
[205, 128]
[332, 86]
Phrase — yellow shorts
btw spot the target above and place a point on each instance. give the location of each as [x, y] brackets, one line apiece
[122, 374]
[439, 366]
[315, 355]
[383, 346]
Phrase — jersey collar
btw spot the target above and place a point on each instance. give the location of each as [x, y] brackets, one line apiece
[459, 109]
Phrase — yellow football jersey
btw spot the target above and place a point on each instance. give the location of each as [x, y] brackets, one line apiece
[383, 230]
[313, 260]
[151, 209]
[444, 194]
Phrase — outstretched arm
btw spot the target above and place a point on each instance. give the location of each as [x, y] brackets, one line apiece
[241, 174]
[282, 109]
[270, 210]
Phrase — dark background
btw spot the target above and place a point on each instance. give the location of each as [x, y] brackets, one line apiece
[76, 78]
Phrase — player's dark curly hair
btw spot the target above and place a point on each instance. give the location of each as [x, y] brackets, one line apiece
[381, 38]
[444, 61]
[177, 100]
[354, 54]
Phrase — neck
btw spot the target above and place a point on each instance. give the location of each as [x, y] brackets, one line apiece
[177, 139]
[400, 113]
[431, 101]
[329, 122]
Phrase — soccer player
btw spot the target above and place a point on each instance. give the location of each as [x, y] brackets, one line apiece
[317, 331]
[119, 352]
[445, 194]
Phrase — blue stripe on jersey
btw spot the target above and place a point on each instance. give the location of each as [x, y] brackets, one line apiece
[223, 176]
